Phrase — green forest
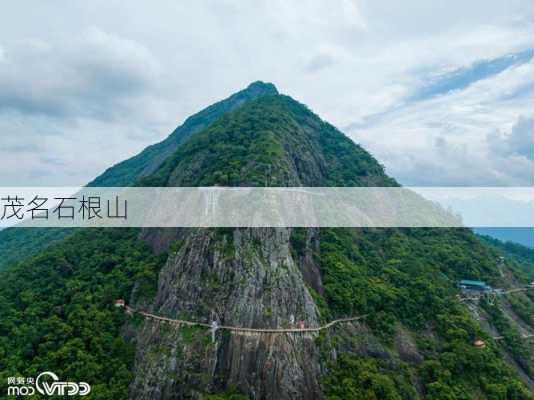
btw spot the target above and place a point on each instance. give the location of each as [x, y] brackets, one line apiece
[58, 314]
[57, 310]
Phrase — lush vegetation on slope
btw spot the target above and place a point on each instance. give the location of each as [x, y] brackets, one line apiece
[366, 378]
[57, 310]
[19, 243]
[512, 338]
[409, 277]
[522, 255]
[272, 141]
[523, 306]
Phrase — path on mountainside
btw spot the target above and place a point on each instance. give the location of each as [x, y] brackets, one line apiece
[241, 329]
[513, 290]
[214, 326]
[493, 293]
[179, 322]
[526, 336]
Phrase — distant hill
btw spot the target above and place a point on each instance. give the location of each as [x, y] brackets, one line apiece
[523, 255]
[522, 236]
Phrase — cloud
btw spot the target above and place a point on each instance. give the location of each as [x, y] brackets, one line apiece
[40, 150]
[519, 142]
[499, 159]
[72, 106]
[93, 74]
[319, 62]
[421, 84]
[474, 135]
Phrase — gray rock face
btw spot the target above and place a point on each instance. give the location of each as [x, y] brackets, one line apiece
[244, 278]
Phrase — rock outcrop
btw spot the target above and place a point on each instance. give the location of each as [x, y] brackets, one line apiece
[244, 278]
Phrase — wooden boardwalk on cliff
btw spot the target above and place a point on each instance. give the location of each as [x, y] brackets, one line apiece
[213, 328]
[179, 322]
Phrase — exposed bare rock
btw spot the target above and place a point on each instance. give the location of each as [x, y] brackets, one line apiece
[244, 278]
[406, 347]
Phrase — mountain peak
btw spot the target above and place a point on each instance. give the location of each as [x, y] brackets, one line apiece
[260, 87]
[151, 158]
[272, 140]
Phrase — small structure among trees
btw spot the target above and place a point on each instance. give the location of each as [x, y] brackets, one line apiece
[120, 303]
[474, 287]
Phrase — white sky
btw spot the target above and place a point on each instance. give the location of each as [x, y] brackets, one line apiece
[441, 92]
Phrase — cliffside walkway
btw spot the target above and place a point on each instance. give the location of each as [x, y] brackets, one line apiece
[179, 322]
[515, 290]
[527, 336]
[214, 328]
[493, 293]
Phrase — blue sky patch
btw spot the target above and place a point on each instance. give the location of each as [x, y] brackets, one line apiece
[463, 77]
